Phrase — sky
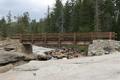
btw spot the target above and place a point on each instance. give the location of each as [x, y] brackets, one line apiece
[36, 8]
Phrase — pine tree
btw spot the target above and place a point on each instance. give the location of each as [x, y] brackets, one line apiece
[97, 16]
[9, 21]
[34, 27]
[76, 16]
[56, 17]
[3, 27]
[67, 16]
[23, 23]
[73, 16]
[47, 21]
[87, 16]
[117, 18]
[25, 20]
[107, 19]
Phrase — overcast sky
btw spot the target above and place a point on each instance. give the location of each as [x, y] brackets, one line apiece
[36, 8]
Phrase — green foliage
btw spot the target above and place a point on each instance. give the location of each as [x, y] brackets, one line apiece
[86, 16]
[3, 27]
[56, 17]
[34, 26]
[67, 16]
[107, 18]
[23, 23]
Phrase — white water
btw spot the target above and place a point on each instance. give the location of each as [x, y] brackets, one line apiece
[40, 50]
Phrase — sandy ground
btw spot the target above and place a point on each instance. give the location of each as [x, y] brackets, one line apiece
[106, 67]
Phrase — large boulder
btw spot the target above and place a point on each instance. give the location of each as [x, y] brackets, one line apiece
[6, 68]
[101, 47]
[10, 44]
[6, 57]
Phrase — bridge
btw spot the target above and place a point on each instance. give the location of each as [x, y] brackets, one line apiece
[61, 39]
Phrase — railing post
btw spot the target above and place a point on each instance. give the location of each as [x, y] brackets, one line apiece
[32, 38]
[20, 36]
[110, 35]
[45, 39]
[75, 38]
[91, 36]
[115, 35]
[59, 39]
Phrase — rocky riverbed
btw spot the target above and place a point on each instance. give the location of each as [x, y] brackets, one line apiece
[106, 67]
[11, 54]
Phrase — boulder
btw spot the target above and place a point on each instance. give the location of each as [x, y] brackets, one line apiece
[102, 47]
[9, 48]
[10, 44]
[6, 68]
[6, 58]
[43, 58]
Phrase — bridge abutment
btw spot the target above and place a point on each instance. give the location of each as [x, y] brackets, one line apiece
[27, 48]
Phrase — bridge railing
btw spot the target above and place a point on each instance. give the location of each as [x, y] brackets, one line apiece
[62, 37]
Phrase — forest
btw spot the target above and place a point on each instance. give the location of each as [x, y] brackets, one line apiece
[73, 16]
